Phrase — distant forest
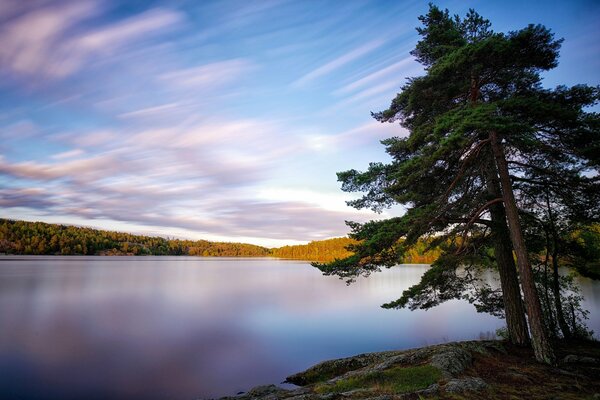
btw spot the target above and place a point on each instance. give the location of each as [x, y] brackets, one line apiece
[330, 249]
[39, 238]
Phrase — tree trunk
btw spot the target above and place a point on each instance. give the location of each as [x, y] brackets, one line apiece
[560, 316]
[541, 345]
[549, 314]
[509, 281]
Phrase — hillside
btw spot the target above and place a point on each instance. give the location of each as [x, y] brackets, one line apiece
[39, 238]
[21, 237]
[330, 249]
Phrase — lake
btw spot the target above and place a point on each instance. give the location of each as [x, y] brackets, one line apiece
[187, 327]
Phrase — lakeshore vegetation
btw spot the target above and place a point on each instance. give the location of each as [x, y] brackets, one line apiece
[39, 238]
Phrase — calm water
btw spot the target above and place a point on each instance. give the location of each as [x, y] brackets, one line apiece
[186, 328]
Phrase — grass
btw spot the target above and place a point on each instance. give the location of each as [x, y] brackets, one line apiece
[394, 380]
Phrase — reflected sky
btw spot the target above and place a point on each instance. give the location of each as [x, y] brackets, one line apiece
[183, 328]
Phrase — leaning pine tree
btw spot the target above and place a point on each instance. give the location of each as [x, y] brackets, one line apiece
[454, 172]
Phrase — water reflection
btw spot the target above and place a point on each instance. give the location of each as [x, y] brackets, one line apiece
[183, 328]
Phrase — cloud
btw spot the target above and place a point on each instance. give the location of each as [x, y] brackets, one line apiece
[338, 62]
[204, 178]
[360, 136]
[24, 129]
[51, 42]
[32, 43]
[375, 76]
[151, 111]
[211, 75]
[121, 33]
[83, 169]
[385, 87]
[68, 154]
[34, 198]
[140, 119]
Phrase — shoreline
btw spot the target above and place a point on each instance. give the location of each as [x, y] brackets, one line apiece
[476, 369]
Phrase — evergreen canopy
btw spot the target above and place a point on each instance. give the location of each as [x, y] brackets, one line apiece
[483, 132]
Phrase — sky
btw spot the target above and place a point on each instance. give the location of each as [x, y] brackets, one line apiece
[219, 120]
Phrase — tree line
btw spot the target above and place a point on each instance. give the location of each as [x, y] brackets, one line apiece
[39, 238]
[339, 248]
[497, 170]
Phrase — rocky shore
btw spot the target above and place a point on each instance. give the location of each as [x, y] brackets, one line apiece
[459, 370]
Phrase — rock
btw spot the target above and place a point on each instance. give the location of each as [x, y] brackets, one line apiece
[265, 390]
[332, 368]
[452, 361]
[464, 385]
[302, 397]
[410, 357]
[430, 391]
[356, 394]
[575, 359]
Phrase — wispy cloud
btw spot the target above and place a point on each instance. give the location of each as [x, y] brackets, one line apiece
[368, 133]
[111, 37]
[386, 87]
[150, 111]
[181, 116]
[88, 169]
[33, 43]
[377, 75]
[211, 75]
[51, 42]
[67, 154]
[202, 178]
[338, 62]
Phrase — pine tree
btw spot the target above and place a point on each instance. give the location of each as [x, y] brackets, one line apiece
[478, 113]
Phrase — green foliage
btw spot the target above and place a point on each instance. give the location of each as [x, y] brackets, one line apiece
[21, 237]
[38, 238]
[336, 249]
[394, 380]
[584, 246]
[570, 302]
[479, 85]
[502, 333]
[323, 250]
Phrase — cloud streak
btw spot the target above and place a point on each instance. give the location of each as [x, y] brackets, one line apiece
[199, 178]
[56, 47]
[224, 120]
[338, 62]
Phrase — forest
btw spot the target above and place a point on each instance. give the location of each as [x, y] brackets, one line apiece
[39, 238]
[338, 248]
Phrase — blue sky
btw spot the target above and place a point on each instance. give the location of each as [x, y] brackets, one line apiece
[222, 120]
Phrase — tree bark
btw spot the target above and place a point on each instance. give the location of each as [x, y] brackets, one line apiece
[549, 314]
[541, 344]
[560, 316]
[514, 311]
